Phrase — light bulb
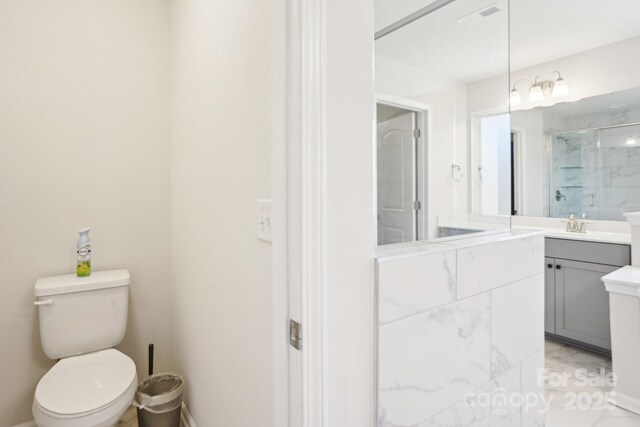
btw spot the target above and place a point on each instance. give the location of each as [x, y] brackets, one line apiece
[560, 88]
[631, 141]
[514, 98]
[535, 94]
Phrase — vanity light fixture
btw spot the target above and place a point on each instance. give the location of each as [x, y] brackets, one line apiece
[631, 141]
[514, 97]
[538, 89]
[560, 88]
[535, 93]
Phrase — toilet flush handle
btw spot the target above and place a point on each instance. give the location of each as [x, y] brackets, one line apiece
[43, 302]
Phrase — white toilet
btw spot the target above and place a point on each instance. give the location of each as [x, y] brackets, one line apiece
[81, 319]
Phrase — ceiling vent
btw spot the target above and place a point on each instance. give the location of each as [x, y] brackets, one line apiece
[480, 14]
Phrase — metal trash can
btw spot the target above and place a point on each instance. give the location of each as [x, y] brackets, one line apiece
[159, 401]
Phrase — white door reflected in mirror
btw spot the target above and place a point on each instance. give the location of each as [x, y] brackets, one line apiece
[397, 192]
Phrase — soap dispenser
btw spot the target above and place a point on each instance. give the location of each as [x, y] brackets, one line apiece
[83, 266]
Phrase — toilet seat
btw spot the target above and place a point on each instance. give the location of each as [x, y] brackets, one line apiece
[91, 389]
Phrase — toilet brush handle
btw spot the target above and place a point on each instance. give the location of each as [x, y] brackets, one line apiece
[151, 351]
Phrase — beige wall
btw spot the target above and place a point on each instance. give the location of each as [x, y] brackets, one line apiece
[84, 141]
[226, 61]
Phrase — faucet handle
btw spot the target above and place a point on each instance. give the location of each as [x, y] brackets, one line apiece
[572, 217]
[584, 215]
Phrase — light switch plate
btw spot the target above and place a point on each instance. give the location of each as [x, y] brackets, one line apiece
[264, 220]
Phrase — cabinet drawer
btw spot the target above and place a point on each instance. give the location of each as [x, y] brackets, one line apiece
[599, 253]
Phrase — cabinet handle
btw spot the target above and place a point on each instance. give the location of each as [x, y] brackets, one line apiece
[549, 265]
[558, 266]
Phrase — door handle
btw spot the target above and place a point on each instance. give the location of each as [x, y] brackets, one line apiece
[558, 267]
[549, 265]
[43, 302]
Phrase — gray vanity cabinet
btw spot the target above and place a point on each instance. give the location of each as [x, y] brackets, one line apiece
[576, 301]
[582, 302]
[549, 296]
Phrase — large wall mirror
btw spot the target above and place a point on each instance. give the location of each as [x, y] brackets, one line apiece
[575, 101]
[433, 121]
[451, 160]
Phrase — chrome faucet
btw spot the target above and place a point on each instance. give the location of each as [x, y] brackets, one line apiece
[583, 224]
[572, 224]
[575, 226]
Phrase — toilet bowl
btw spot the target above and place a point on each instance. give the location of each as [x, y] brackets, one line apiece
[81, 320]
[90, 390]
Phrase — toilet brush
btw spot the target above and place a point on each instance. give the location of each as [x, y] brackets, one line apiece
[150, 359]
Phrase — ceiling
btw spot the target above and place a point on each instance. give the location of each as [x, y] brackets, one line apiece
[541, 31]
[389, 11]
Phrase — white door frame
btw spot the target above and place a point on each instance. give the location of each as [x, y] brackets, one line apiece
[309, 205]
[305, 225]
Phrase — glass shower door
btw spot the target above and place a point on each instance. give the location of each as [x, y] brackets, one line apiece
[619, 188]
[574, 174]
[596, 172]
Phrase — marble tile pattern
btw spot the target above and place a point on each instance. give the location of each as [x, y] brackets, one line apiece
[427, 362]
[597, 172]
[486, 406]
[572, 403]
[517, 323]
[484, 267]
[415, 284]
[532, 387]
[469, 329]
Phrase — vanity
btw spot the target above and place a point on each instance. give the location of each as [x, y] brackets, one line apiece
[576, 302]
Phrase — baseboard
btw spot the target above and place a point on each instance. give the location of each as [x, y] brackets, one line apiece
[185, 417]
[626, 402]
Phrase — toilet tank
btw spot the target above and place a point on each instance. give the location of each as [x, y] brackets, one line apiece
[82, 314]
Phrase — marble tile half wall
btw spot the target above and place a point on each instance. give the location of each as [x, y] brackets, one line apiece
[460, 321]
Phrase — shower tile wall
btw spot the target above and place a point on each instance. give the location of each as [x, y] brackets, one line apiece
[574, 171]
[597, 172]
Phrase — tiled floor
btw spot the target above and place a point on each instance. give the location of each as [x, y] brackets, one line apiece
[574, 401]
[129, 419]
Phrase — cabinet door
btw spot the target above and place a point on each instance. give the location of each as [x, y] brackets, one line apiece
[549, 296]
[582, 302]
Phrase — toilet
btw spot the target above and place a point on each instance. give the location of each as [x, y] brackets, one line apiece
[81, 320]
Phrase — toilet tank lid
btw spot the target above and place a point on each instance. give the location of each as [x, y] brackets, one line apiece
[69, 283]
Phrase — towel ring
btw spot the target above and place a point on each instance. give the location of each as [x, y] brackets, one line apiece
[456, 173]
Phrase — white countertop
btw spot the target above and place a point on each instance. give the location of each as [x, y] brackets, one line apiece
[589, 236]
[407, 250]
[616, 232]
[625, 281]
